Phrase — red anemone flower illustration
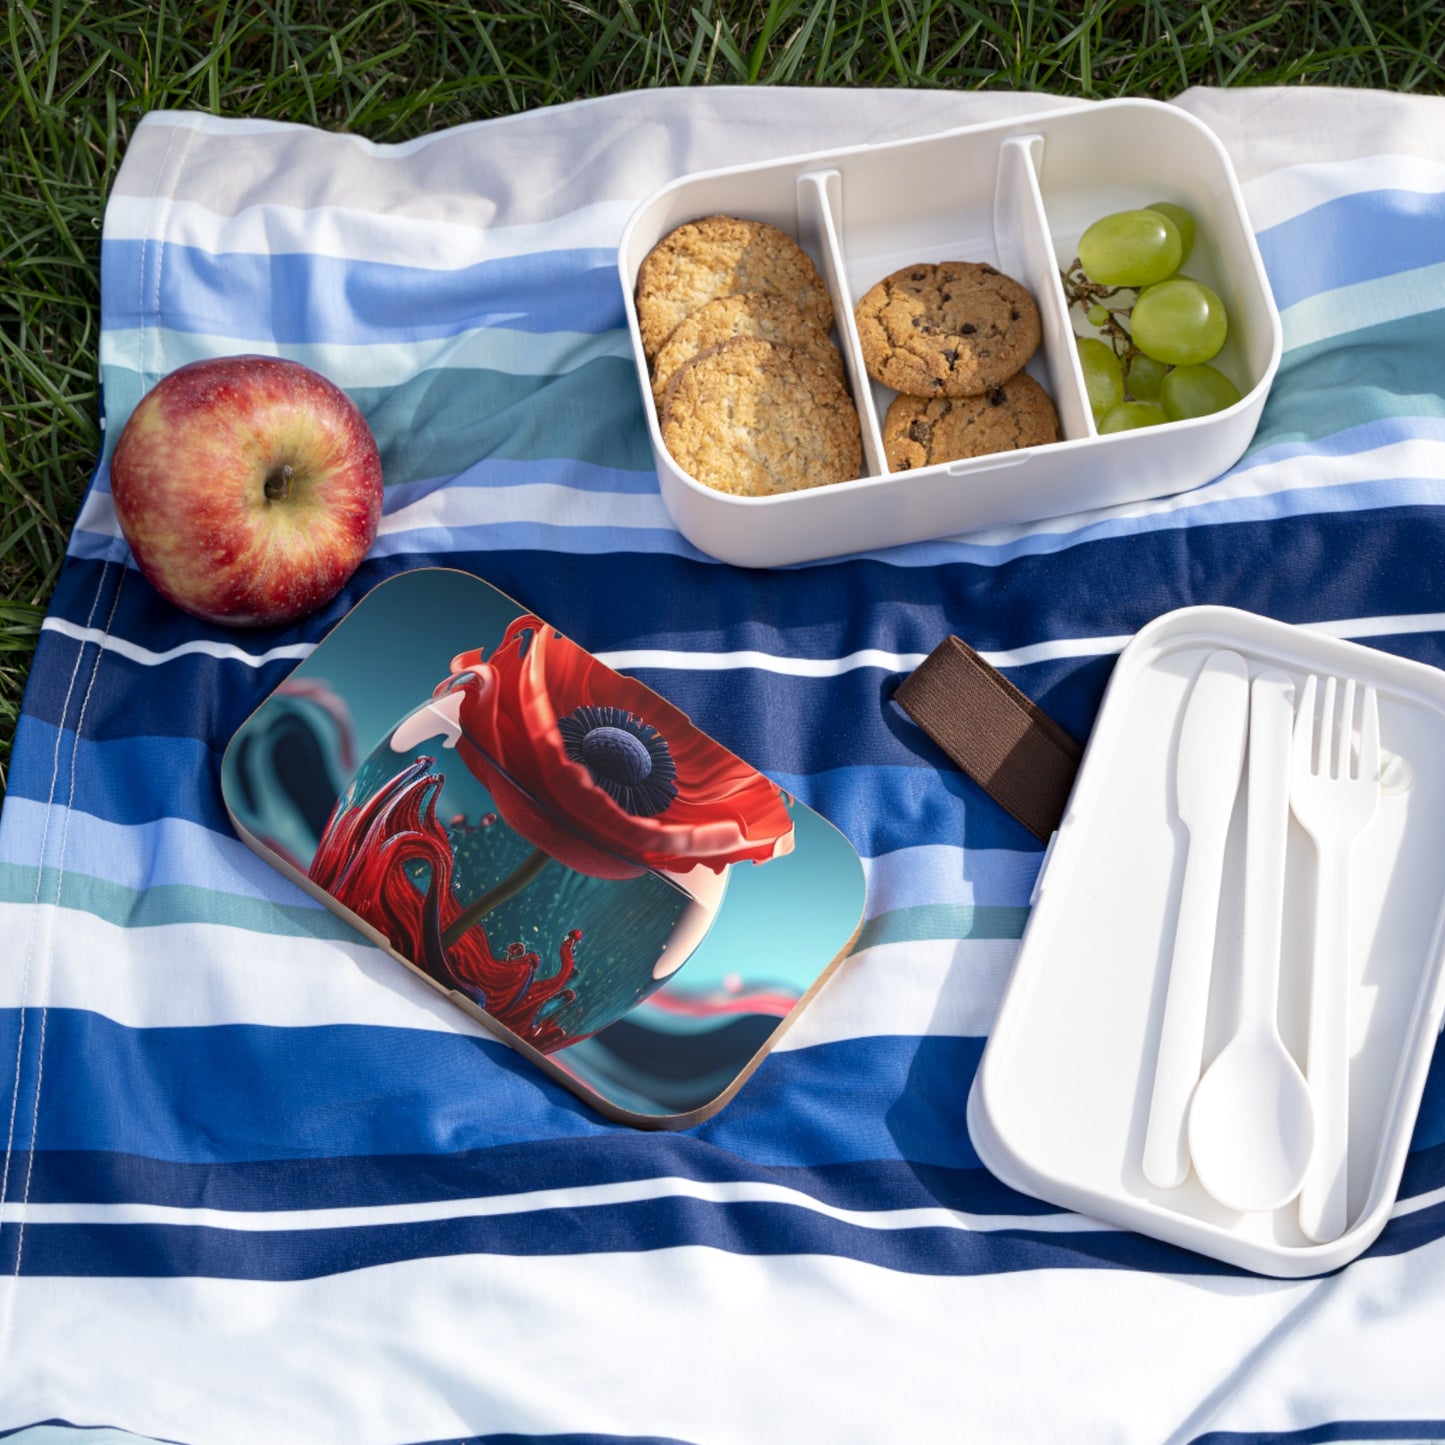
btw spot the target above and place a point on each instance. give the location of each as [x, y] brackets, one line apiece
[599, 771]
[363, 860]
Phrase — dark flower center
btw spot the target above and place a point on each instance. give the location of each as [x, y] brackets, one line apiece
[628, 759]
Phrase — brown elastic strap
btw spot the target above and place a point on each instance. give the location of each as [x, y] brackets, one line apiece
[1009, 746]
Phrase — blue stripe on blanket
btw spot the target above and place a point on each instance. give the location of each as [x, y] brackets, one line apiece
[1336, 1432]
[96, 1177]
[440, 422]
[299, 297]
[330, 1091]
[396, 1180]
[1360, 567]
[143, 780]
[1353, 238]
[167, 853]
[56, 1431]
[757, 1229]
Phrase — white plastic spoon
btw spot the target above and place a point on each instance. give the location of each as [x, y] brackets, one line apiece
[1251, 1121]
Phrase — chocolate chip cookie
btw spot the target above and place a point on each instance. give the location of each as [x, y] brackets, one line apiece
[918, 432]
[753, 418]
[717, 256]
[955, 328]
[749, 313]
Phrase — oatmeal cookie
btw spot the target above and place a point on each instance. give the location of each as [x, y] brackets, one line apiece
[752, 417]
[956, 328]
[748, 313]
[717, 256]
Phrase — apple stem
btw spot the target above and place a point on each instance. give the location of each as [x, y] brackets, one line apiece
[278, 484]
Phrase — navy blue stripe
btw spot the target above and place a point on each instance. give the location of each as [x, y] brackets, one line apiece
[58, 1176]
[1418, 1432]
[1339, 565]
[300, 297]
[1353, 238]
[123, 780]
[752, 1228]
[1410, 1231]
[568, 1439]
[755, 1229]
[205, 1094]
[509, 1438]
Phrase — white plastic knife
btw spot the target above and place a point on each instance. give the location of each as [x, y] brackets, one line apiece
[1212, 742]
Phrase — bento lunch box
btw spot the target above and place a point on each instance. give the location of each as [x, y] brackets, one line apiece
[1016, 195]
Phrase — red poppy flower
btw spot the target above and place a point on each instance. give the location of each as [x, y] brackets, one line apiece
[597, 769]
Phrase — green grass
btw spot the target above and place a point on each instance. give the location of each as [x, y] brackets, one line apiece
[75, 78]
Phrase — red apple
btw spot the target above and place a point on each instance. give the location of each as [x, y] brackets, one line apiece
[248, 487]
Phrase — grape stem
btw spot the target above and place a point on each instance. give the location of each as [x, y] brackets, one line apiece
[1086, 295]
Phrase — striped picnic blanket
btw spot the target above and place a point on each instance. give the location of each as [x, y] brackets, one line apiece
[260, 1184]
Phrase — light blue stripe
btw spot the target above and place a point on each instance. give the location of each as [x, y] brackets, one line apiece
[485, 348]
[1353, 238]
[493, 472]
[308, 299]
[915, 876]
[165, 853]
[536, 537]
[77, 1435]
[173, 852]
[560, 538]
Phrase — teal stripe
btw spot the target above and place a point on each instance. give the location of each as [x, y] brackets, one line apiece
[184, 903]
[442, 422]
[439, 423]
[168, 903]
[928, 921]
[1375, 374]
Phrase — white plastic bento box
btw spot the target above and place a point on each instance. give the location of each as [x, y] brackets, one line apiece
[1060, 1104]
[1016, 195]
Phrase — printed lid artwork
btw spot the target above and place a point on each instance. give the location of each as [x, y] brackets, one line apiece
[553, 845]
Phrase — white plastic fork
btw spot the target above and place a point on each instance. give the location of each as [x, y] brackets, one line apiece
[1334, 796]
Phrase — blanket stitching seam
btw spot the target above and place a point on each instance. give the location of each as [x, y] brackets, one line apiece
[163, 191]
[50, 952]
[30, 948]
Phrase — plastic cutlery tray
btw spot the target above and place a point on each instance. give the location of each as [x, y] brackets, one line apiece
[1060, 1105]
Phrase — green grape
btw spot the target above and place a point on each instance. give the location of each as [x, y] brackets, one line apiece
[1196, 391]
[1183, 223]
[1129, 415]
[1179, 322]
[1103, 376]
[1098, 315]
[1144, 376]
[1130, 248]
